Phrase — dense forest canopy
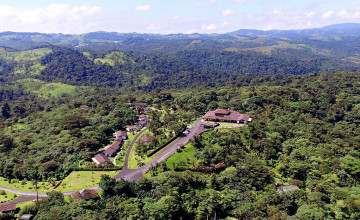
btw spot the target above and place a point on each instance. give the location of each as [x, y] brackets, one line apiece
[301, 89]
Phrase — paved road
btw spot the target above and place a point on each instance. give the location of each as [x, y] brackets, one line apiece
[125, 173]
[135, 174]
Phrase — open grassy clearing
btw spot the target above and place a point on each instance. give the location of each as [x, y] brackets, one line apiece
[83, 179]
[49, 90]
[7, 196]
[185, 159]
[112, 58]
[75, 181]
[26, 186]
[229, 125]
[27, 55]
[136, 160]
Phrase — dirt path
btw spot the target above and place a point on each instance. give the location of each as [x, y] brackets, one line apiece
[125, 173]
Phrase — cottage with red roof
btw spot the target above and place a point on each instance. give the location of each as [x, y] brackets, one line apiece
[131, 128]
[84, 107]
[141, 124]
[100, 159]
[85, 194]
[120, 134]
[9, 207]
[146, 139]
[227, 115]
[112, 149]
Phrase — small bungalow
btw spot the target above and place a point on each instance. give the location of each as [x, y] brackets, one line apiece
[10, 207]
[146, 139]
[109, 152]
[85, 194]
[227, 115]
[84, 107]
[100, 159]
[112, 149]
[141, 124]
[131, 128]
[121, 134]
[142, 117]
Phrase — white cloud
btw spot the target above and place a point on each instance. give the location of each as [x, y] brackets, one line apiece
[275, 12]
[310, 14]
[52, 18]
[352, 13]
[328, 14]
[209, 27]
[143, 7]
[227, 12]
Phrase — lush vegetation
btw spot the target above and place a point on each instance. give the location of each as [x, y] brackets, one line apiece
[304, 133]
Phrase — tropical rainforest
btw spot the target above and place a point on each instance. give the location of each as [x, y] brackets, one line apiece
[301, 91]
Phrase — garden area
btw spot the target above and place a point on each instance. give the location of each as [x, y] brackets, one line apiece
[7, 196]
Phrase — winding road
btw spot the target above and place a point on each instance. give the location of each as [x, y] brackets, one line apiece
[125, 173]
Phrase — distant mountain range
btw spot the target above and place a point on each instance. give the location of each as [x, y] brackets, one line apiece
[148, 61]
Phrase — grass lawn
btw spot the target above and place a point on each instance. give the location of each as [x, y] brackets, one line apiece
[133, 157]
[27, 186]
[24, 204]
[185, 157]
[7, 196]
[75, 181]
[229, 125]
[83, 179]
[121, 158]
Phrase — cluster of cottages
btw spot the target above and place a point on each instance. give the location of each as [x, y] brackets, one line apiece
[103, 157]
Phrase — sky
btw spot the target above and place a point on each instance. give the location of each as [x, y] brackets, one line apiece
[172, 16]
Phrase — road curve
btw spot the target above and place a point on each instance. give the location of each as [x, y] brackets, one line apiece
[125, 173]
[135, 174]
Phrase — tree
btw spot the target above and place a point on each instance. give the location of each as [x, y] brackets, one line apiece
[107, 184]
[55, 198]
[5, 111]
[74, 121]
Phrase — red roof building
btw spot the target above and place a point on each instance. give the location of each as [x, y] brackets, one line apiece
[112, 149]
[84, 107]
[100, 159]
[131, 127]
[146, 139]
[141, 123]
[226, 115]
[7, 207]
[85, 194]
[120, 134]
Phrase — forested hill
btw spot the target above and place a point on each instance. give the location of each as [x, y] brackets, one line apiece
[147, 61]
[305, 132]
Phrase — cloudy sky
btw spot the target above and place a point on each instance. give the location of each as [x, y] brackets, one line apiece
[172, 16]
